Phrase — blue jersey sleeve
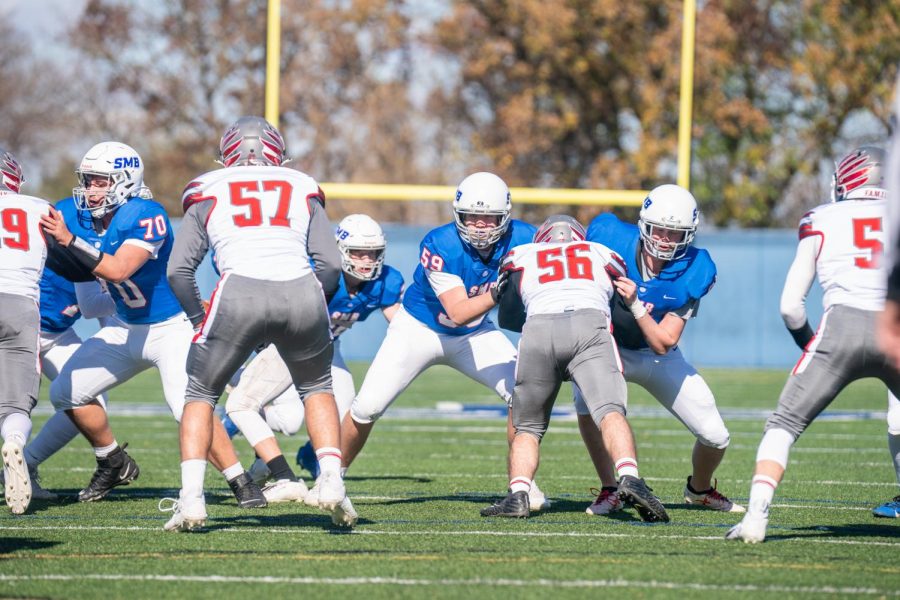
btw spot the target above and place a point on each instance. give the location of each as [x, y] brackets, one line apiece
[150, 225]
[702, 275]
[393, 287]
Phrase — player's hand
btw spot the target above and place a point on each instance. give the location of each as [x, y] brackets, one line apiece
[54, 224]
[627, 289]
[500, 286]
[205, 304]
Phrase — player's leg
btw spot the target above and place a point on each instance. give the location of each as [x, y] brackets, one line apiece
[536, 385]
[678, 387]
[19, 382]
[408, 348]
[103, 361]
[832, 360]
[891, 508]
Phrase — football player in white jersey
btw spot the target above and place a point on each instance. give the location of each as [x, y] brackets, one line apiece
[841, 243]
[23, 252]
[443, 319]
[565, 284]
[265, 223]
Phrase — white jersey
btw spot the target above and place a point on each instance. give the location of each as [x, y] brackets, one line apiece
[564, 276]
[22, 246]
[850, 237]
[258, 226]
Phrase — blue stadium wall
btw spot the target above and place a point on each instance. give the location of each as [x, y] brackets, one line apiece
[738, 324]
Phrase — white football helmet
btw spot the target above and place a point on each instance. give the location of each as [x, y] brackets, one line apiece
[360, 232]
[482, 194]
[11, 177]
[117, 162]
[860, 175]
[673, 208]
[251, 141]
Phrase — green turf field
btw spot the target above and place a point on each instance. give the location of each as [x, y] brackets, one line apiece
[418, 486]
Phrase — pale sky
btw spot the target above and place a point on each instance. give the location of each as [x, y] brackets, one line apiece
[43, 20]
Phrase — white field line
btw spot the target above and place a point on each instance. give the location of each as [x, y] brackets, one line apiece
[447, 533]
[474, 582]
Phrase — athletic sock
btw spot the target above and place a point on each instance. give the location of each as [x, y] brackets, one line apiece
[105, 451]
[762, 490]
[280, 469]
[627, 466]
[519, 484]
[193, 472]
[329, 460]
[235, 470]
[16, 427]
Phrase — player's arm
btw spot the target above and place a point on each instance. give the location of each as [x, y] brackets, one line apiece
[796, 287]
[660, 337]
[113, 267]
[94, 300]
[322, 250]
[190, 247]
[461, 309]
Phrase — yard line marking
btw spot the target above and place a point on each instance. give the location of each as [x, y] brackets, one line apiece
[477, 581]
[452, 533]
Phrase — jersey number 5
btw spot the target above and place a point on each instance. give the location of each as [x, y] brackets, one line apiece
[572, 266]
[861, 230]
[15, 221]
[237, 190]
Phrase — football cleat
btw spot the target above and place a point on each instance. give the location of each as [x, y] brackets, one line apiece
[888, 510]
[188, 513]
[37, 491]
[634, 492]
[331, 490]
[752, 528]
[515, 505]
[312, 497]
[247, 493]
[259, 471]
[17, 482]
[116, 469]
[607, 501]
[306, 458]
[536, 499]
[344, 515]
[711, 498]
[285, 490]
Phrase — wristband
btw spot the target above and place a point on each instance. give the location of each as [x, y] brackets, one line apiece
[85, 253]
[637, 308]
[802, 335]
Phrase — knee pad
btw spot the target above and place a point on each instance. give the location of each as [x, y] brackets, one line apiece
[715, 439]
[359, 414]
[286, 418]
[61, 393]
[893, 418]
[239, 400]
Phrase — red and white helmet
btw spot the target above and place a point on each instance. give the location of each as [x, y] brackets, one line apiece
[360, 232]
[251, 141]
[860, 175]
[11, 177]
[559, 229]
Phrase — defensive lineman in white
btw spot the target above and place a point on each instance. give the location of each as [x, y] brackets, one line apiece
[565, 284]
[22, 256]
[443, 319]
[265, 223]
[842, 243]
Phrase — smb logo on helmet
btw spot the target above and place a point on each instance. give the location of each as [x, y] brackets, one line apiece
[123, 162]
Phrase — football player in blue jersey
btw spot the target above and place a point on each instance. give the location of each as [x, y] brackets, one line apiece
[667, 278]
[443, 319]
[125, 239]
[264, 399]
[62, 304]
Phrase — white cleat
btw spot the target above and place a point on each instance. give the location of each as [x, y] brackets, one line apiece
[285, 490]
[751, 529]
[188, 513]
[344, 515]
[259, 472]
[17, 481]
[312, 497]
[711, 498]
[536, 499]
[331, 490]
[607, 502]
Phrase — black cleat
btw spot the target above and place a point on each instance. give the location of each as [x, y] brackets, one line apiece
[635, 492]
[515, 505]
[247, 493]
[116, 469]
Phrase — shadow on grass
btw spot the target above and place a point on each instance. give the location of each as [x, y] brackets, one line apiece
[842, 531]
[254, 520]
[12, 544]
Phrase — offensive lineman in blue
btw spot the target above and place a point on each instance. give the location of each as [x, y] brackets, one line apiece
[443, 319]
[126, 239]
[667, 278]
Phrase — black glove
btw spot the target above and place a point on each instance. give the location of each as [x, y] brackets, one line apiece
[802, 335]
[500, 286]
